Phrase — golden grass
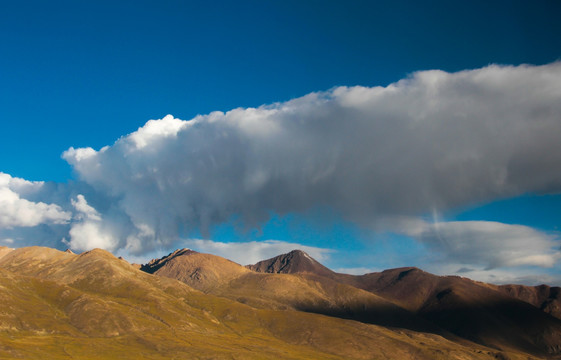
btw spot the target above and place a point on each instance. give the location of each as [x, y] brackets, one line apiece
[94, 306]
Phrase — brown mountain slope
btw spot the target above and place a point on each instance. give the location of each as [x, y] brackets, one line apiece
[302, 292]
[472, 310]
[201, 271]
[296, 261]
[545, 298]
[60, 306]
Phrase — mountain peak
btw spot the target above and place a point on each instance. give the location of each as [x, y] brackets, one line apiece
[154, 264]
[296, 261]
[298, 252]
[198, 270]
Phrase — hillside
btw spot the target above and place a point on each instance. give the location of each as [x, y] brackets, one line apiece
[302, 292]
[59, 305]
[201, 271]
[296, 261]
[474, 311]
[546, 298]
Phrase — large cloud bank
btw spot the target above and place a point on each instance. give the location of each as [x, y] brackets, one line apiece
[433, 141]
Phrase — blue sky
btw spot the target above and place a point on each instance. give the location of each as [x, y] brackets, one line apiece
[77, 74]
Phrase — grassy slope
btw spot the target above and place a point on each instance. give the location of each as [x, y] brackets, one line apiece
[58, 305]
[303, 292]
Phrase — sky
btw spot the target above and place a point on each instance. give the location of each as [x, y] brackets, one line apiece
[372, 135]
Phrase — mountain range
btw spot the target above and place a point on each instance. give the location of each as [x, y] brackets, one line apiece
[61, 305]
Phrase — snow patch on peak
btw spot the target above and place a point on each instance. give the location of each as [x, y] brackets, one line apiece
[308, 256]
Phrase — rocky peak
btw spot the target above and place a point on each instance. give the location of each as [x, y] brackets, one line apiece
[154, 264]
[296, 261]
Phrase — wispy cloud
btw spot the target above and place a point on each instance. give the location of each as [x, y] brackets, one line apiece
[357, 270]
[485, 244]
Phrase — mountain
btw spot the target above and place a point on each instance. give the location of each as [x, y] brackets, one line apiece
[201, 271]
[4, 250]
[300, 292]
[60, 305]
[296, 261]
[470, 309]
[479, 312]
[544, 297]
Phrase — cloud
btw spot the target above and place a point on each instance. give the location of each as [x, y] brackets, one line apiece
[383, 155]
[157, 130]
[16, 211]
[252, 252]
[357, 270]
[88, 231]
[84, 210]
[485, 243]
[434, 140]
[7, 241]
[510, 275]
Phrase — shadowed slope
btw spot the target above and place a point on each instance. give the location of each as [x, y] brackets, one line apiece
[470, 309]
[545, 298]
[316, 294]
[473, 310]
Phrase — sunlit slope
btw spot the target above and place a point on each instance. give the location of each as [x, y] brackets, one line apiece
[60, 305]
[201, 271]
[5, 250]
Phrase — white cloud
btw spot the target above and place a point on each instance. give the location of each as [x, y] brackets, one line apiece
[357, 270]
[509, 275]
[485, 244]
[16, 211]
[88, 231]
[433, 140]
[252, 252]
[18, 185]
[381, 155]
[84, 209]
[7, 241]
[90, 235]
[81, 154]
[155, 130]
